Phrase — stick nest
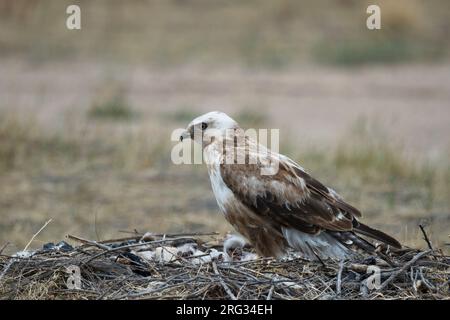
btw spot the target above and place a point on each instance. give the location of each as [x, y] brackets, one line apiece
[150, 268]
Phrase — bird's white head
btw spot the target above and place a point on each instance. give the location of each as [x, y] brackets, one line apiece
[209, 126]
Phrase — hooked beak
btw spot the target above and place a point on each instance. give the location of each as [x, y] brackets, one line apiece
[185, 135]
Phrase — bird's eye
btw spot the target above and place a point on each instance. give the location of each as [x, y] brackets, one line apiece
[204, 125]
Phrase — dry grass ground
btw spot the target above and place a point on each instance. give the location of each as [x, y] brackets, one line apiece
[254, 34]
[97, 172]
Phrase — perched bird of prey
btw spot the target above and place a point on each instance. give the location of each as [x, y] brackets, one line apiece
[288, 209]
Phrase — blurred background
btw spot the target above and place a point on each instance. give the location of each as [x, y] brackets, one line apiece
[86, 115]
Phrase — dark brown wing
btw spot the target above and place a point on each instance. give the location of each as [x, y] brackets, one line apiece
[293, 199]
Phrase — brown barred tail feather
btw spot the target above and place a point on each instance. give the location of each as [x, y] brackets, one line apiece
[377, 235]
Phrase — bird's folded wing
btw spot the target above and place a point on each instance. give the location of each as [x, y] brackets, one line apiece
[291, 198]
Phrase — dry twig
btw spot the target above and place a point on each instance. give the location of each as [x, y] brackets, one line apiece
[112, 269]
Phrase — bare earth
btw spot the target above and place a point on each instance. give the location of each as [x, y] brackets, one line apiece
[316, 105]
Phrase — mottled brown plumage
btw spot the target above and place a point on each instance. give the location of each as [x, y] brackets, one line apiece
[288, 209]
